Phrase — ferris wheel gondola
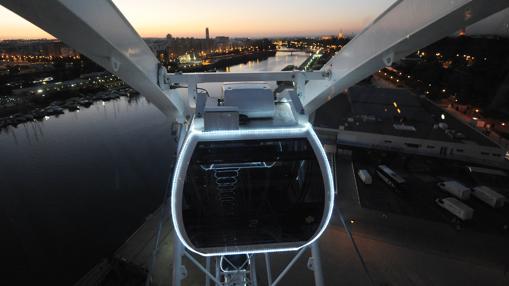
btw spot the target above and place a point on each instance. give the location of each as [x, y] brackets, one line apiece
[262, 185]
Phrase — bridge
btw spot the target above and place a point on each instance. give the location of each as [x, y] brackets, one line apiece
[289, 50]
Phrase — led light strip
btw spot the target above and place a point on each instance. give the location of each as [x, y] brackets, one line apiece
[194, 136]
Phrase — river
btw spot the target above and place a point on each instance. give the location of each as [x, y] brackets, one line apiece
[73, 188]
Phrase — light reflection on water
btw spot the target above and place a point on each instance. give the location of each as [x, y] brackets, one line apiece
[276, 63]
[74, 187]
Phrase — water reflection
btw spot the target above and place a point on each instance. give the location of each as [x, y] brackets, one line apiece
[277, 63]
[75, 186]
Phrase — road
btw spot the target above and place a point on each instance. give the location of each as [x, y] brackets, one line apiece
[398, 250]
[393, 256]
[347, 187]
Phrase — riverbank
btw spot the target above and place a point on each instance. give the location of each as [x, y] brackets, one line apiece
[36, 107]
[40, 112]
[225, 61]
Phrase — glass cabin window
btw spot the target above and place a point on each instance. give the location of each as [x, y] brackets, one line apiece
[252, 192]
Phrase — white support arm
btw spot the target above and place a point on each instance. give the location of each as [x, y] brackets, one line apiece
[185, 78]
[192, 79]
[98, 30]
[402, 29]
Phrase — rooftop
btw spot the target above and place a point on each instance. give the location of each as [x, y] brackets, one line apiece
[394, 112]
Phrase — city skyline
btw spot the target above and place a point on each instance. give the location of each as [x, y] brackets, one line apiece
[283, 19]
[265, 18]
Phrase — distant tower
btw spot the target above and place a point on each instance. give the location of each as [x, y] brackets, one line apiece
[207, 38]
[169, 39]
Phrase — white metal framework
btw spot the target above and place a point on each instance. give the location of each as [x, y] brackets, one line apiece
[98, 30]
[245, 274]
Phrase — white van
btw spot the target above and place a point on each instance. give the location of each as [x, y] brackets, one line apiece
[456, 189]
[456, 207]
[489, 196]
[365, 176]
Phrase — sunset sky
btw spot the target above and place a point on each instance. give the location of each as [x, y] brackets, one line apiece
[256, 18]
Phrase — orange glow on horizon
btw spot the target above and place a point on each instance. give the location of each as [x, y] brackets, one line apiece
[262, 18]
